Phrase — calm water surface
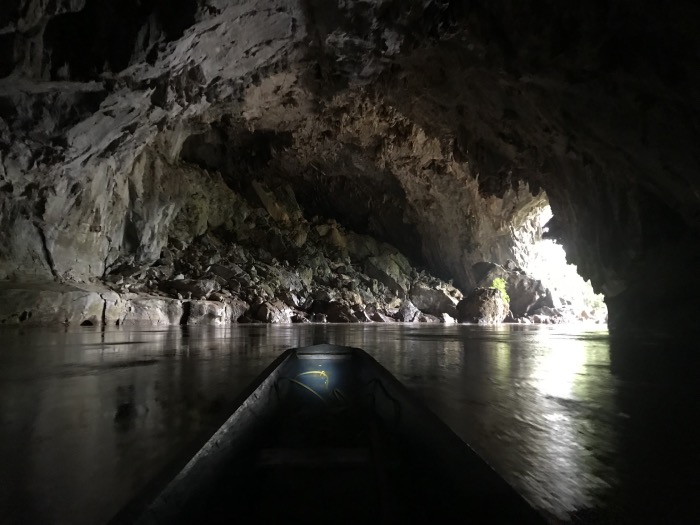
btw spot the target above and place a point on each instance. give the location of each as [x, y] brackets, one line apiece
[589, 430]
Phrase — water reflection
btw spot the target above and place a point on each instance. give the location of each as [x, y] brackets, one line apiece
[88, 417]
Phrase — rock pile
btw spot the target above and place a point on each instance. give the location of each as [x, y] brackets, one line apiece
[285, 269]
[530, 300]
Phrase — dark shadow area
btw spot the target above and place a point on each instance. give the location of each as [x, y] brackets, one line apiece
[370, 203]
[7, 54]
[658, 399]
[9, 12]
[175, 16]
[670, 361]
[105, 35]
[360, 197]
[238, 155]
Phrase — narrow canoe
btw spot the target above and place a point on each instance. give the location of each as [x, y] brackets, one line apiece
[327, 435]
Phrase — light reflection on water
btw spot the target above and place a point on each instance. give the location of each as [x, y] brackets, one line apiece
[88, 417]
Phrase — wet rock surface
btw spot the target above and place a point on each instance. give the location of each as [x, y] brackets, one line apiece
[482, 306]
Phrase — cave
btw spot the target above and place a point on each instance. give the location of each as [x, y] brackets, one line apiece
[317, 162]
[436, 133]
[435, 129]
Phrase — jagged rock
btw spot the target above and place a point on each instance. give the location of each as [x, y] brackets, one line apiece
[324, 295]
[228, 273]
[408, 313]
[524, 291]
[137, 309]
[379, 317]
[213, 312]
[274, 312]
[238, 308]
[291, 300]
[548, 300]
[352, 298]
[482, 306]
[207, 313]
[52, 303]
[447, 319]
[191, 288]
[435, 300]
[279, 202]
[390, 270]
[427, 318]
[546, 311]
[511, 266]
[362, 316]
[340, 313]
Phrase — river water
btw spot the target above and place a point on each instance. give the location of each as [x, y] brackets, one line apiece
[589, 430]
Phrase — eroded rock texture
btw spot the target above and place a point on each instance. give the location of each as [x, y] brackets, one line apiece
[129, 128]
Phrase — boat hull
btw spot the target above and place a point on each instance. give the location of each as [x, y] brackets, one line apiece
[327, 435]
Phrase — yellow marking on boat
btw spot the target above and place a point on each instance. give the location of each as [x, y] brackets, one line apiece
[320, 373]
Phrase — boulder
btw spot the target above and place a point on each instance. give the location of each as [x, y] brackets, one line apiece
[363, 317]
[227, 272]
[52, 303]
[379, 317]
[237, 308]
[391, 270]
[408, 313]
[137, 309]
[191, 288]
[482, 306]
[435, 300]
[274, 312]
[547, 311]
[291, 299]
[280, 202]
[447, 319]
[207, 313]
[340, 313]
[524, 291]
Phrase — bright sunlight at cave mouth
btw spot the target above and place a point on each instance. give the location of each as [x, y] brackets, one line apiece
[546, 261]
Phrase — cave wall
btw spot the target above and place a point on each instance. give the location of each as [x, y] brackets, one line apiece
[433, 125]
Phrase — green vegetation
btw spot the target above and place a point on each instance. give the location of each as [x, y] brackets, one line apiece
[500, 285]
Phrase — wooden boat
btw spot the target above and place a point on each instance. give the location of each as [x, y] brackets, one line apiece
[327, 435]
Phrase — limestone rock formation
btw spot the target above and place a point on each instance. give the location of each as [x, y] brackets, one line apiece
[482, 306]
[130, 129]
[251, 275]
[435, 298]
[524, 291]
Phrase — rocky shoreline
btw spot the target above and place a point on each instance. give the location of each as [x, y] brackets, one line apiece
[283, 268]
[280, 269]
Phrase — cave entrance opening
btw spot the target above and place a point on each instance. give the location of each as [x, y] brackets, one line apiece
[545, 259]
